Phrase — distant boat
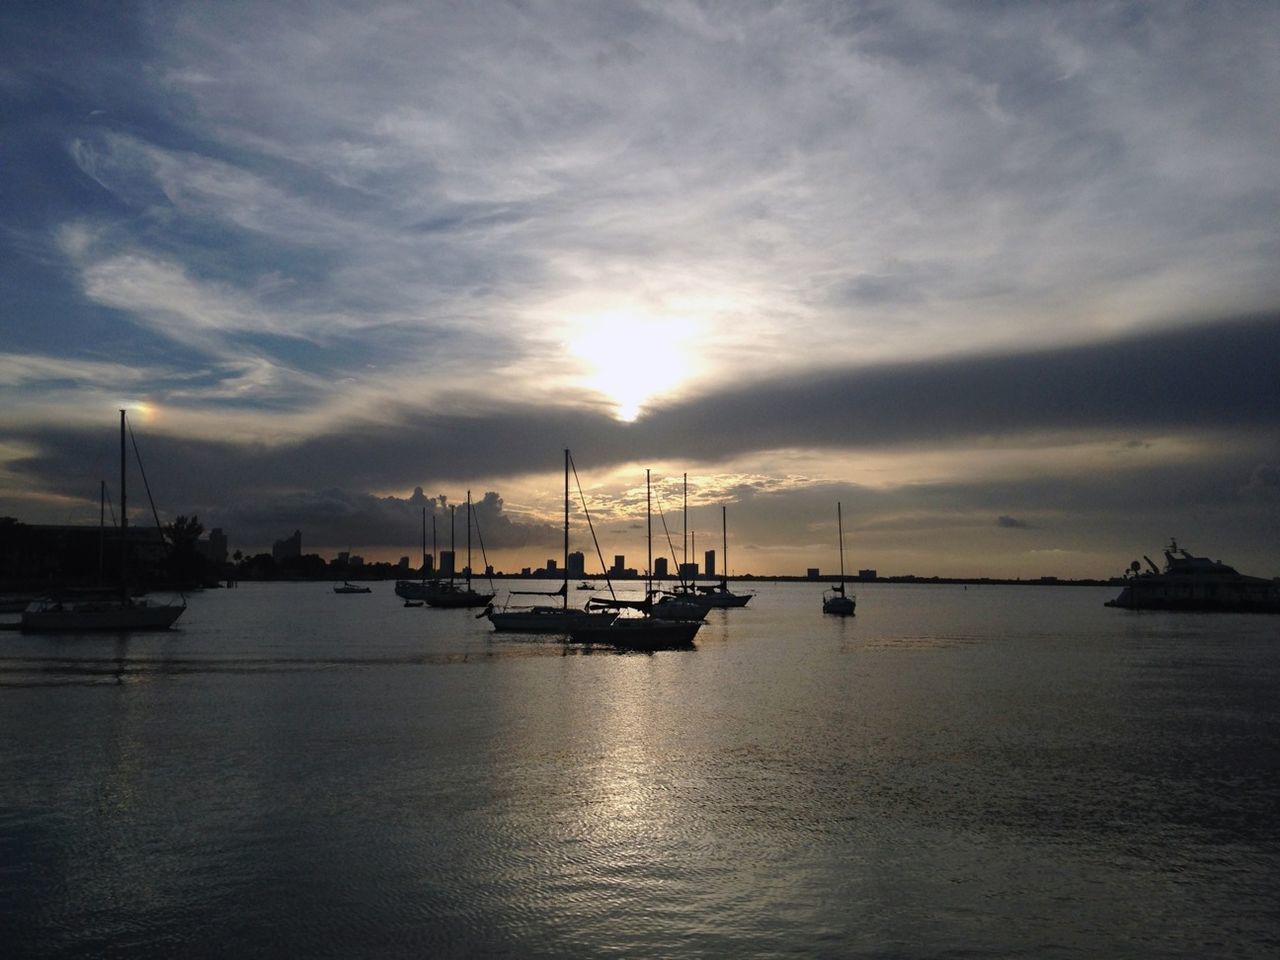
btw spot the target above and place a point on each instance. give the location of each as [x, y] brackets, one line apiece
[348, 587]
[835, 601]
[450, 595]
[683, 601]
[586, 586]
[418, 589]
[691, 601]
[414, 603]
[545, 618]
[680, 604]
[1189, 583]
[719, 595]
[643, 631]
[104, 611]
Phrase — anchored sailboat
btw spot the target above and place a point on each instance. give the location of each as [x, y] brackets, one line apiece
[418, 590]
[719, 595]
[545, 618]
[835, 601]
[645, 631]
[105, 612]
[450, 594]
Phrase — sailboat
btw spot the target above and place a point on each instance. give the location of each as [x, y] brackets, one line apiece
[106, 612]
[683, 601]
[547, 618]
[451, 595]
[716, 596]
[835, 601]
[719, 595]
[645, 631]
[418, 590]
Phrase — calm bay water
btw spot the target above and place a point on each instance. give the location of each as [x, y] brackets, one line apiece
[981, 772]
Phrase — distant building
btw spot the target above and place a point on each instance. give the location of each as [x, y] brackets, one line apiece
[403, 565]
[866, 574]
[213, 549]
[447, 563]
[287, 548]
[552, 568]
[709, 563]
[812, 573]
[688, 571]
[58, 554]
[577, 566]
[660, 568]
[619, 565]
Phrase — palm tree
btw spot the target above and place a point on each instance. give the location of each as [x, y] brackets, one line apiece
[185, 565]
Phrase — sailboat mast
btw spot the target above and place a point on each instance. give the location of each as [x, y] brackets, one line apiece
[469, 541]
[565, 598]
[424, 544]
[124, 518]
[435, 548]
[102, 524]
[724, 559]
[685, 524]
[453, 543]
[648, 525]
[840, 527]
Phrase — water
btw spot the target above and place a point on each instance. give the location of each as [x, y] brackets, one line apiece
[981, 772]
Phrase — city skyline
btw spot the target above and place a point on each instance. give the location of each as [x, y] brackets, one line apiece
[999, 279]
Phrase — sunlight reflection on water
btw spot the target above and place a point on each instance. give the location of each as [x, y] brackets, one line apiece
[995, 771]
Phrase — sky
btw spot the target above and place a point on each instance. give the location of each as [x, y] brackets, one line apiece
[1000, 279]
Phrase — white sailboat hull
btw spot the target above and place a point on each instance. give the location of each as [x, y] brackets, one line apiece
[98, 616]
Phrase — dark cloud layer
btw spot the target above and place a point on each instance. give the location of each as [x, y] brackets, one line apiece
[1217, 375]
[1220, 376]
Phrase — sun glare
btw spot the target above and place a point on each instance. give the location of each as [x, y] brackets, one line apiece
[632, 357]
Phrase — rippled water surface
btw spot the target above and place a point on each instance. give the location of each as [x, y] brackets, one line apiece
[989, 772]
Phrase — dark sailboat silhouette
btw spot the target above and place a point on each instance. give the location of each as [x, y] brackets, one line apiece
[450, 594]
[104, 612]
[546, 618]
[835, 601]
[642, 631]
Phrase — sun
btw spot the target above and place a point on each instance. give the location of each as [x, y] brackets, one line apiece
[632, 357]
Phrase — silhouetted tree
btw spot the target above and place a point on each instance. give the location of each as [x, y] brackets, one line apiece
[186, 566]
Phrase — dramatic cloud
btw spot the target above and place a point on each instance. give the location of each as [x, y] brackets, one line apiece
[327, 254]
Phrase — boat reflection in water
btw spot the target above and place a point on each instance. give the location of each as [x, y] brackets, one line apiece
[1196, 584]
